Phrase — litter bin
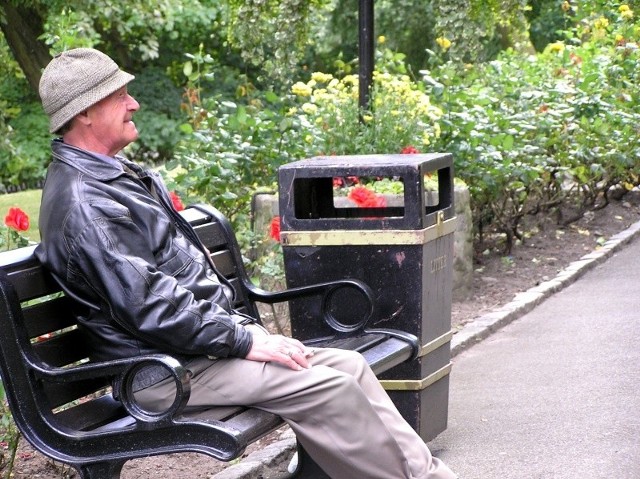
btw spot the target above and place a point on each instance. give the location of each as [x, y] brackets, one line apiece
[403, 250]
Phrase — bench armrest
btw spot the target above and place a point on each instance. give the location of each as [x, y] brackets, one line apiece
[124, 372]
[327, 291]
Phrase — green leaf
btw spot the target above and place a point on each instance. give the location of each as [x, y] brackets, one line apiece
[242, 115]
[507, 142]
[187, 69]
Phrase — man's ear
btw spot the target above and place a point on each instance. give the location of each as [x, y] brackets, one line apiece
[83, 117]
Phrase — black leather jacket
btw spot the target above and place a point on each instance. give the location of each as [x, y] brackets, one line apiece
[111, 236]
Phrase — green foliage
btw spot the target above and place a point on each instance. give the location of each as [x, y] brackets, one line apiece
[159, 117]
[70, 28]
[556, 132]
[548, 21]
[9, 434]
[272, 33]
[478, 29]
[31, 139]
[232, 146]
[407, 25]
[24, 137]
[401, 114]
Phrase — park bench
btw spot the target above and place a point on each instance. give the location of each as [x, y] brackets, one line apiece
[66, 406]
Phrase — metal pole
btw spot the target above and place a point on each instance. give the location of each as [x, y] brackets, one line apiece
[365, 17]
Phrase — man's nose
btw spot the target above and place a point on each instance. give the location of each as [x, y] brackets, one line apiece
[133, 104]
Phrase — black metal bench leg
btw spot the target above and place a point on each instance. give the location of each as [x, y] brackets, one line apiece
[307, 467]
[101, 470]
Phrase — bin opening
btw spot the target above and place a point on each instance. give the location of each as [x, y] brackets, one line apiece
[350, 197]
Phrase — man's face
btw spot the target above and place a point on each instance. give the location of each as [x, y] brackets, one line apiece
[111, 121]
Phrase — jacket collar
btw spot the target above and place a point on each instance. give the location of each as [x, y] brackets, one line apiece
[95, 165]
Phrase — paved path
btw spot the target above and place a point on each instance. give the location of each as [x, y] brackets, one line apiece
[556, 393]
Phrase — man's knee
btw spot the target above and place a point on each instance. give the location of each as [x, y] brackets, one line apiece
[342, 360]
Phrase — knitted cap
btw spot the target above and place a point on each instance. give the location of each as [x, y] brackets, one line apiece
[76, 79]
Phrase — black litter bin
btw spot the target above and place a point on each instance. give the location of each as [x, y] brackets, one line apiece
[403, 250]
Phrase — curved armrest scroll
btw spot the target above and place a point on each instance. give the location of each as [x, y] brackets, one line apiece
[124, 372]
[327, 290]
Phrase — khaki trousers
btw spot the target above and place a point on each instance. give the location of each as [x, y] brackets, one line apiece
[337, 409]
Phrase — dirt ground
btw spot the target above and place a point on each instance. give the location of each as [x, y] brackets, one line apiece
[497, 278]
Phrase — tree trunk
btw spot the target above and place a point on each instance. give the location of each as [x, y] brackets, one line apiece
[21, 26]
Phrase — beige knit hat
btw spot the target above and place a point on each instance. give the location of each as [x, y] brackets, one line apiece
[76, 79]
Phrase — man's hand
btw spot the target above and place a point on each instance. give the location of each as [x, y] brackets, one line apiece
[280, 349]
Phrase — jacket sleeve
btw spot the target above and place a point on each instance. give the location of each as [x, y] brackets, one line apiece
[111, 258]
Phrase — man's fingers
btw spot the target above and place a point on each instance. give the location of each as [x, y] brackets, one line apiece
[297, 359]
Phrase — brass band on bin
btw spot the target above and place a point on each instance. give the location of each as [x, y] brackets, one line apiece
[419, 384]
[436, 343]
[416, 384]
[368, 237]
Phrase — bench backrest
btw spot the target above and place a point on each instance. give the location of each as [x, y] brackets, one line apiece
[37, 327]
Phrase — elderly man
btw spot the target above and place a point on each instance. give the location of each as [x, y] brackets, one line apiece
[110, 235]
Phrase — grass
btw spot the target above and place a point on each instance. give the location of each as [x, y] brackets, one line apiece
[29, 202]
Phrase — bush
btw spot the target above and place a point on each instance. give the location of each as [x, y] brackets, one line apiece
[159, 116]
[555, 132]
[24, 128]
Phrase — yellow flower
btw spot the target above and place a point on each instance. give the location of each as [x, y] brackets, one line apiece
[555, 47]
[444, 43]
[566, 6]
[381, 39]
[321, 77]
[626, 14]
[623, 8]
[309, 108]
[601, 23]
[350, 80]
[308, 139]
[301, 89]
[367, 118]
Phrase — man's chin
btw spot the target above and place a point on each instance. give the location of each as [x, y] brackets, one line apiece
[134, 131]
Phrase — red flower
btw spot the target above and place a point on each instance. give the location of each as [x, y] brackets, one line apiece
[274, 228]
[409, 150]
[176, 201]
[375, 202]
[337, 182]
[360, 195]
[365, 198]
[17, 219]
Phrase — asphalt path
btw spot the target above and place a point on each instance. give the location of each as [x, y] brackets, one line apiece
[554, 394]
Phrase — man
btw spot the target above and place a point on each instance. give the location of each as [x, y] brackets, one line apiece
[110, 235]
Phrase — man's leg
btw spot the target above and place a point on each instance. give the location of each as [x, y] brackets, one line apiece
[338, 410]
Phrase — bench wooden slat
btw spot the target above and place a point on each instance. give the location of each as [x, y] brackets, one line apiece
[48, 316]
[93, 413]
[212, 236]
[224, 263]
[63, 349]
[32, 282]
[61, 394]
[381, 352]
